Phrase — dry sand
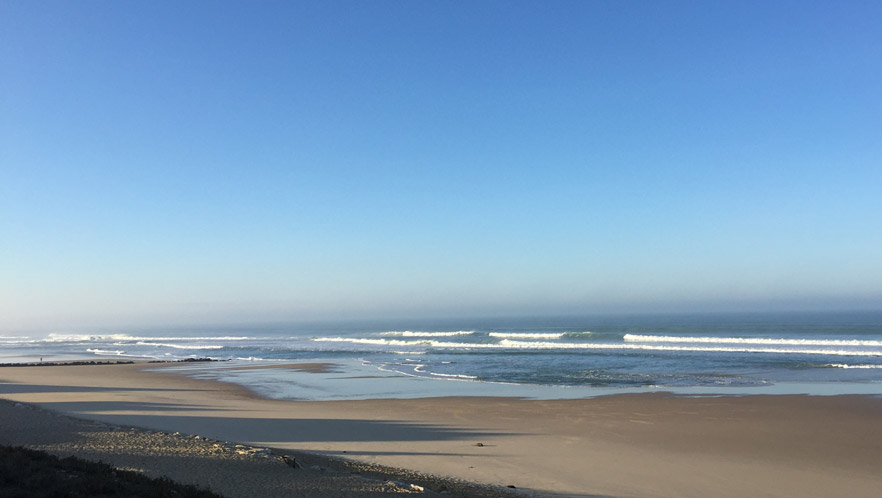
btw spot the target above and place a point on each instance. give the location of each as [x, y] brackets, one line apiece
[230, 469]
[644, 445]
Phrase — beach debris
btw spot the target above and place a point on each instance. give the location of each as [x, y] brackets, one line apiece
[290, 461]
[406, 486]
[479, 444]
[512, 486]
[185, 360]
[251, 451]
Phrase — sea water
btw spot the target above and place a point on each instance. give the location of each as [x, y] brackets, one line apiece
[558, 357]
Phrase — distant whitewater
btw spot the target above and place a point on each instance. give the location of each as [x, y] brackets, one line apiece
[643, 352]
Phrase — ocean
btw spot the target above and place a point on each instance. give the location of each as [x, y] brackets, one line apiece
[557, 357]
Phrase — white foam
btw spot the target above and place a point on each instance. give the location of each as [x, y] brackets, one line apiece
[178, 346]
[378, 342]
[198, 338]
[105, 352]
[512, 344]
[526, 335]
[83, 338]
[718, 349]
[751, 340]
[419, 369]
[17, 340]
[125, 337]
[410, 333]
[843, 365]
[454, 376]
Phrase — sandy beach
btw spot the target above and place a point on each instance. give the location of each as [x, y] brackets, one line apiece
[644, 445]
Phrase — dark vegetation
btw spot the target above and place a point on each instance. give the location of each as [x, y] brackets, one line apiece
[92, 362]
[66, 363]
[26, 473]
[185, 360]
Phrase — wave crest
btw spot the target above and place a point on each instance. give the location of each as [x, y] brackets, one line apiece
[750, 340]
[412, 333]
[843, 365]
[178, 346]
[527, 335]
[526, 345]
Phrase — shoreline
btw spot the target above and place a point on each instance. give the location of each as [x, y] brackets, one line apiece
[366, 381]
[620, 445]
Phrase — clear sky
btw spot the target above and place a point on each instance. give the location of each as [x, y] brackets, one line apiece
[184, 162]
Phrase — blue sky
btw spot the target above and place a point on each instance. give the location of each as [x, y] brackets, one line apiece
[186, 162]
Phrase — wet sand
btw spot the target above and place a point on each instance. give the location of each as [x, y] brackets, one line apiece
[644, 445]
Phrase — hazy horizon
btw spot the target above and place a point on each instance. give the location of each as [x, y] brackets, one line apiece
[260, 321]
[197, 163]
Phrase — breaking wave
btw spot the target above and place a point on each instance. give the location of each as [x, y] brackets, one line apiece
[513, 344]
[843, 365]
[125, 337]
[410, 333]
[751, 340]
[178, 346]
[526, 335]
[105, 352]
[378, 342]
